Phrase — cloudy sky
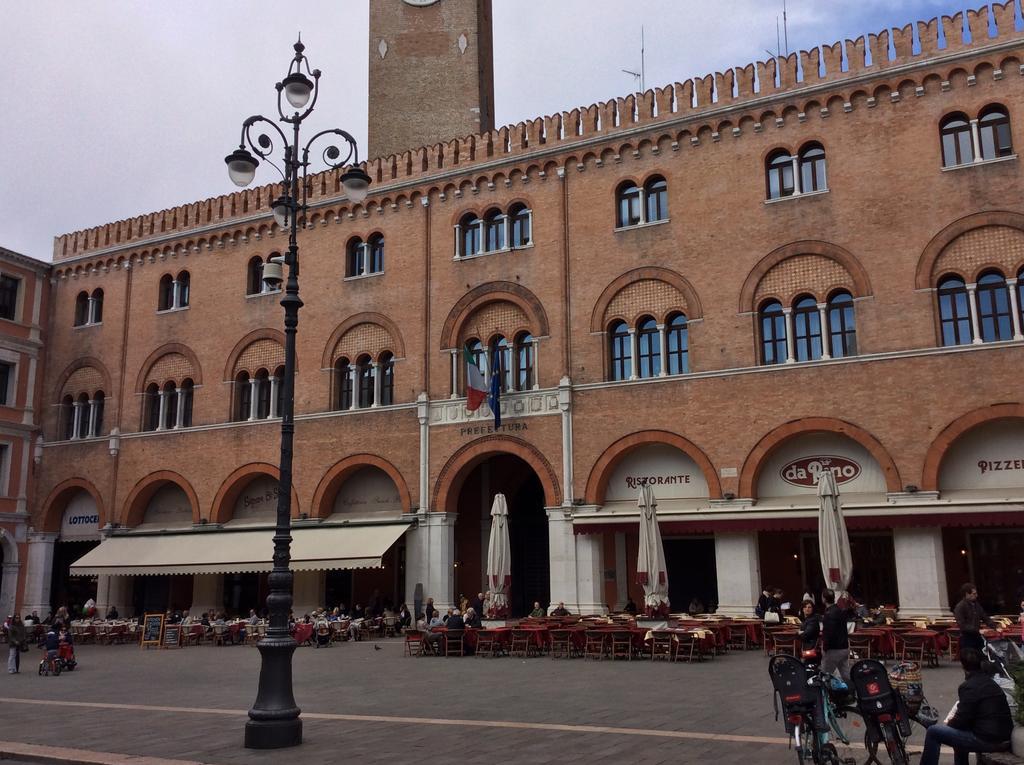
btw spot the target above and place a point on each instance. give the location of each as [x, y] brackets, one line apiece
[113, 109]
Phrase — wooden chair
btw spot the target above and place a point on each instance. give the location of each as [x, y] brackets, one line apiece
[561, 644]
[522, 643]
[917, 648]
[861, 644]
[192, 638]
[454, 643]
[662, 645]
[737, 637]
[686, 648]
[785, 643]
[413, 643]
[390, 626]
[954, 644]
[487, 643]
[220, 634]
[595, 645]
[622, 645]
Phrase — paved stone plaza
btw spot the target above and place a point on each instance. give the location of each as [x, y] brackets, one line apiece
[190, 705]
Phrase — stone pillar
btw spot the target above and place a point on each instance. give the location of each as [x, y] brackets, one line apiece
[430, 558]
[353, 382]
[920, 572]
[309, 591]
[274, 383]
[1018, 332]
[91, 431]
[162, 418]
[254, 400]
[8, 595]
[797, 180]
[114, 591]
[454, 352]
[423, 415]
[208, 594]
[458, 241]
[175, 302]
[39, 574]
[562, 557]
[179, 412]
[738, 573]
[621, 572]
[589, 572]
[826, 351]
[663, 350]
[790, 355]
[634, 356]
[972, 307]
[535, 367]
[565, 406]
[507, 240]
[375, 371]
[975, 141]
[76, 419]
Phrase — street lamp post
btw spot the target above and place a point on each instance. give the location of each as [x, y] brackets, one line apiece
[274, 718]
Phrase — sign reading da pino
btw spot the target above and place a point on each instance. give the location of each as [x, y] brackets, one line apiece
[805, 471]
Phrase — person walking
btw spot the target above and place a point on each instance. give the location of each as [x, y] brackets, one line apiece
[969, 618]
[835, 636]
[16, 639]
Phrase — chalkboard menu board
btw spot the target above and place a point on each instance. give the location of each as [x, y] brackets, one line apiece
[152, 629]
[172, 636]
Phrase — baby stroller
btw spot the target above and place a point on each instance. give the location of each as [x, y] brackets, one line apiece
[323, 634]
[66, 656]
[884, 710]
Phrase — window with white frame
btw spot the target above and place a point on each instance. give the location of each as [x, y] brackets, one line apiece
[791, 175]
[168, 407]
[89, 308]
[807, 330]
[495, 231]
[967, 140]
[7, 383]
[9, 286]
[254, 284]
[174, 291]
[637, 205]
[363, 258]
[653, 347]
[81, 415]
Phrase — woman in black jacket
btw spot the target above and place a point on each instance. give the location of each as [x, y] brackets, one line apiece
[810, 626]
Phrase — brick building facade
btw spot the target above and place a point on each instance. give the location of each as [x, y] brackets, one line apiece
[720, 287]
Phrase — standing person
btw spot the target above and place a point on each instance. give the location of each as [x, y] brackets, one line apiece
[835, 636]
[763, 602]
[969, 618]
[810, 626]
[477, 603]
[16, 637]
[429, 610]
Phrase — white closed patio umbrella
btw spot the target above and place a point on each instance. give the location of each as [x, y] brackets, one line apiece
[833, 541]
[651, 572]
[499, 558]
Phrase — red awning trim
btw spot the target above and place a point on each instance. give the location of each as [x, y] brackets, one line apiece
[810, 523]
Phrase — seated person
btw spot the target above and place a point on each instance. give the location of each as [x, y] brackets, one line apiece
[404, 617]
[112, 613]
[630, 607]
[472, 618]
[537, 611]
[561, 610]
[981, 719]
[432, 638]
[696, 606]
[253, 618]
[205, 619]
[51, 642]
[455, 621]
[323, 633]
[186, 619]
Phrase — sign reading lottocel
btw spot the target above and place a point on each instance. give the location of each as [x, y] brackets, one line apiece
[804, 472]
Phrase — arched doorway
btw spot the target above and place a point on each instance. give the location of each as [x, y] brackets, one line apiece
[528, 531]
[79, 533]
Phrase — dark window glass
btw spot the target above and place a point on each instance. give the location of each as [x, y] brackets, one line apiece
[677, 343]
[649, 348]
[807, 330]
[187, 396]
[780, 175]
[842, 326]
[171, 409]
[81, 309]
[262, 394]
[956, 141]
[343, 384]
[994, 133]
[954, 312]
[656, 192]
[501, 353]
[494, 231]
[386, 368]
[151, 408]
[98, 403]
[8, 296]
[254, 276]
[243, 397]
[375, 247]
[97, 307]
[773, 333]
[812, 169]
[6, 372]
[620, 351]
[83, 417]
[365, 374]
[469, 231]
[1020, 296]
[994, 318]
[522, 220]
[166, 298]
[184, 288]
[524, 361]
[628, 199]
[356, 259]
[67, 418]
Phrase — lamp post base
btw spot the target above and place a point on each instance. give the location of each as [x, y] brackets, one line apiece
[273, 734]
[274, 719]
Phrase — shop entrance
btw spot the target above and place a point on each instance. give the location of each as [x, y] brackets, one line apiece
[67, 590]
[528, 531]
[996, 569]
[161, 593]
[691, 574]
[874, 569]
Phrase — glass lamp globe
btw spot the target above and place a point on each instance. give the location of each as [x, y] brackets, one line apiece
[297, 89]
[356, 183]
[241, 167]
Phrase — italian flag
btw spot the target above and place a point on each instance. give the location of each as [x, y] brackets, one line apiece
[476, 391]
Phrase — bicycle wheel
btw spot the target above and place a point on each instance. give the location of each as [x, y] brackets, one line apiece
[56, 668]
[894, 745]
[828, 755]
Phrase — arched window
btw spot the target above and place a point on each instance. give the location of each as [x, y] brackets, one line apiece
[97, 307]
[630, 205]
[67, 418]
[954, 311]
[677, 343]
[649, 347]
[277, 391]
[98, 401]
[262, 394]
[656, 194]
[81, 309]
[779, 175]
[994, 317]
[375, 254]
[254, 276]
[773, 333]
[166, 299]
[243, 397]
[184, 289]
[812, 168]
[151, 407]
[806, 329]
[521, 225]
[955, 132]
[187, 396]
[494, 231]
[82, 431]
[386, 369]
[355, 260]
[364, 369]
[469, 236]
[475, 351]
[842, 327]
[501, 362]
[524, 361]
[620, 353]
[342, 384]
[170, 394]
[994, 132]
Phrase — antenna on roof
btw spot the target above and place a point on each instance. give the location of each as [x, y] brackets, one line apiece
[641, 76]
[785, 27]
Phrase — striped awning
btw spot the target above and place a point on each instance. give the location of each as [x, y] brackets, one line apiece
[230, 552]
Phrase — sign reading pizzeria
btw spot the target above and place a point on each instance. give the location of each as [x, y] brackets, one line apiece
[804, 471]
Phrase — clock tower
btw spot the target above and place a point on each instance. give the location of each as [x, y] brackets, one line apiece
[431, 72]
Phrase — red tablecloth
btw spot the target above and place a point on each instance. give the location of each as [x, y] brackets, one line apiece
[882, 641]
[303, 633]
[939, 641]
